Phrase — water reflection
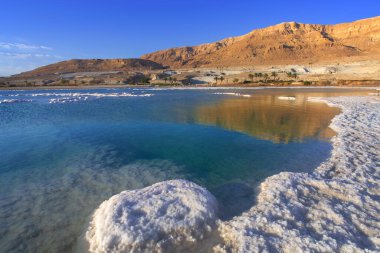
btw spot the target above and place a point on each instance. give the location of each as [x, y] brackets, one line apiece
[269, 118]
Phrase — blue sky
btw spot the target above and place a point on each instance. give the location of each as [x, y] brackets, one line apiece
[36, 32]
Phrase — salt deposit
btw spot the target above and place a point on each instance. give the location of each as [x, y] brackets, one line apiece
[60, 98]
[66, 100]
[334, 209]
[286, 98]
[170, 216]
[98, 95]
[10, 101]
[233, 94]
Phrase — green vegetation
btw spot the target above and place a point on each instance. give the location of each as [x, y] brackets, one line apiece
[266, 77]
[307, 83]
[94, 82]
[250, 76]
[274, 75]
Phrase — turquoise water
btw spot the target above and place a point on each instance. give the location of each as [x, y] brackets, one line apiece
[63, 152]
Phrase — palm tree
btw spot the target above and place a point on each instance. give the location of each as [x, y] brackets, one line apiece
[165, 79]
[295, 75]
[274, 75]
[260, 75]
[289, 75]
[216, 79]
[250, 76]
[221, 79]
[235, 80]
[266, 76]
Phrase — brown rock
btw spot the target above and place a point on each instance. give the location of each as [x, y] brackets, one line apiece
[94, 65]
[286, 43]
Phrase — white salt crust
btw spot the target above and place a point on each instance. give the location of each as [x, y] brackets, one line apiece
[334, 209]
[170, 216]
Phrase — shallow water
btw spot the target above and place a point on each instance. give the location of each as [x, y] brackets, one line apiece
[64, 152]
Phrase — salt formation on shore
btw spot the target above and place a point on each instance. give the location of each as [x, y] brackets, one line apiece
[10, 101]
[286, 98]
[171, 216]
[70, 97]
[334, 209]
[233, 94]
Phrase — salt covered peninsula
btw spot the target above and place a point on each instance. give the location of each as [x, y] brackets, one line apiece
[334, 209]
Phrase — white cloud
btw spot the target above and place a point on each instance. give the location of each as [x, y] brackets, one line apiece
[21, 46]
[28, 55]
[16, 55]
[19, 57]
[47, 56]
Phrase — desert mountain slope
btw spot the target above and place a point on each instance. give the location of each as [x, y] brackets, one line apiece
[94, 65]
[286, 43]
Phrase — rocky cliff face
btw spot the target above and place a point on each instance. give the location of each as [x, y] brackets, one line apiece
[286, 43]
[94, 65]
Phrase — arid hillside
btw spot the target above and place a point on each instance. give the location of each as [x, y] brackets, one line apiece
[93, 65]
[286, 43]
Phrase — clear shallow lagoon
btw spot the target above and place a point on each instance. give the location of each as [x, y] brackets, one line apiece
[65, 151]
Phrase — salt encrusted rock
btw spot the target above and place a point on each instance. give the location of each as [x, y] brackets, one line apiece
[334, 209]
[170, 216]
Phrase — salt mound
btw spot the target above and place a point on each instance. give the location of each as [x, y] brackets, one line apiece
[170, 216]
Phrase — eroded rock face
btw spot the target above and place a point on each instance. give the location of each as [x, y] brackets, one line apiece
[286, 43]
[170, 216]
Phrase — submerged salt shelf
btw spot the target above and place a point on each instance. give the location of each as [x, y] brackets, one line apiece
[334, 209]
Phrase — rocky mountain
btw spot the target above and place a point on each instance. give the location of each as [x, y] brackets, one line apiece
[286, 43]
[94, 65]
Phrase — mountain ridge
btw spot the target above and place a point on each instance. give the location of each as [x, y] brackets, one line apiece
[92, 65]
[284, 43]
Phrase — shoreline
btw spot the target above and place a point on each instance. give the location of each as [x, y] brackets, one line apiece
[326, 210]
[151, 87]
[335, 208]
